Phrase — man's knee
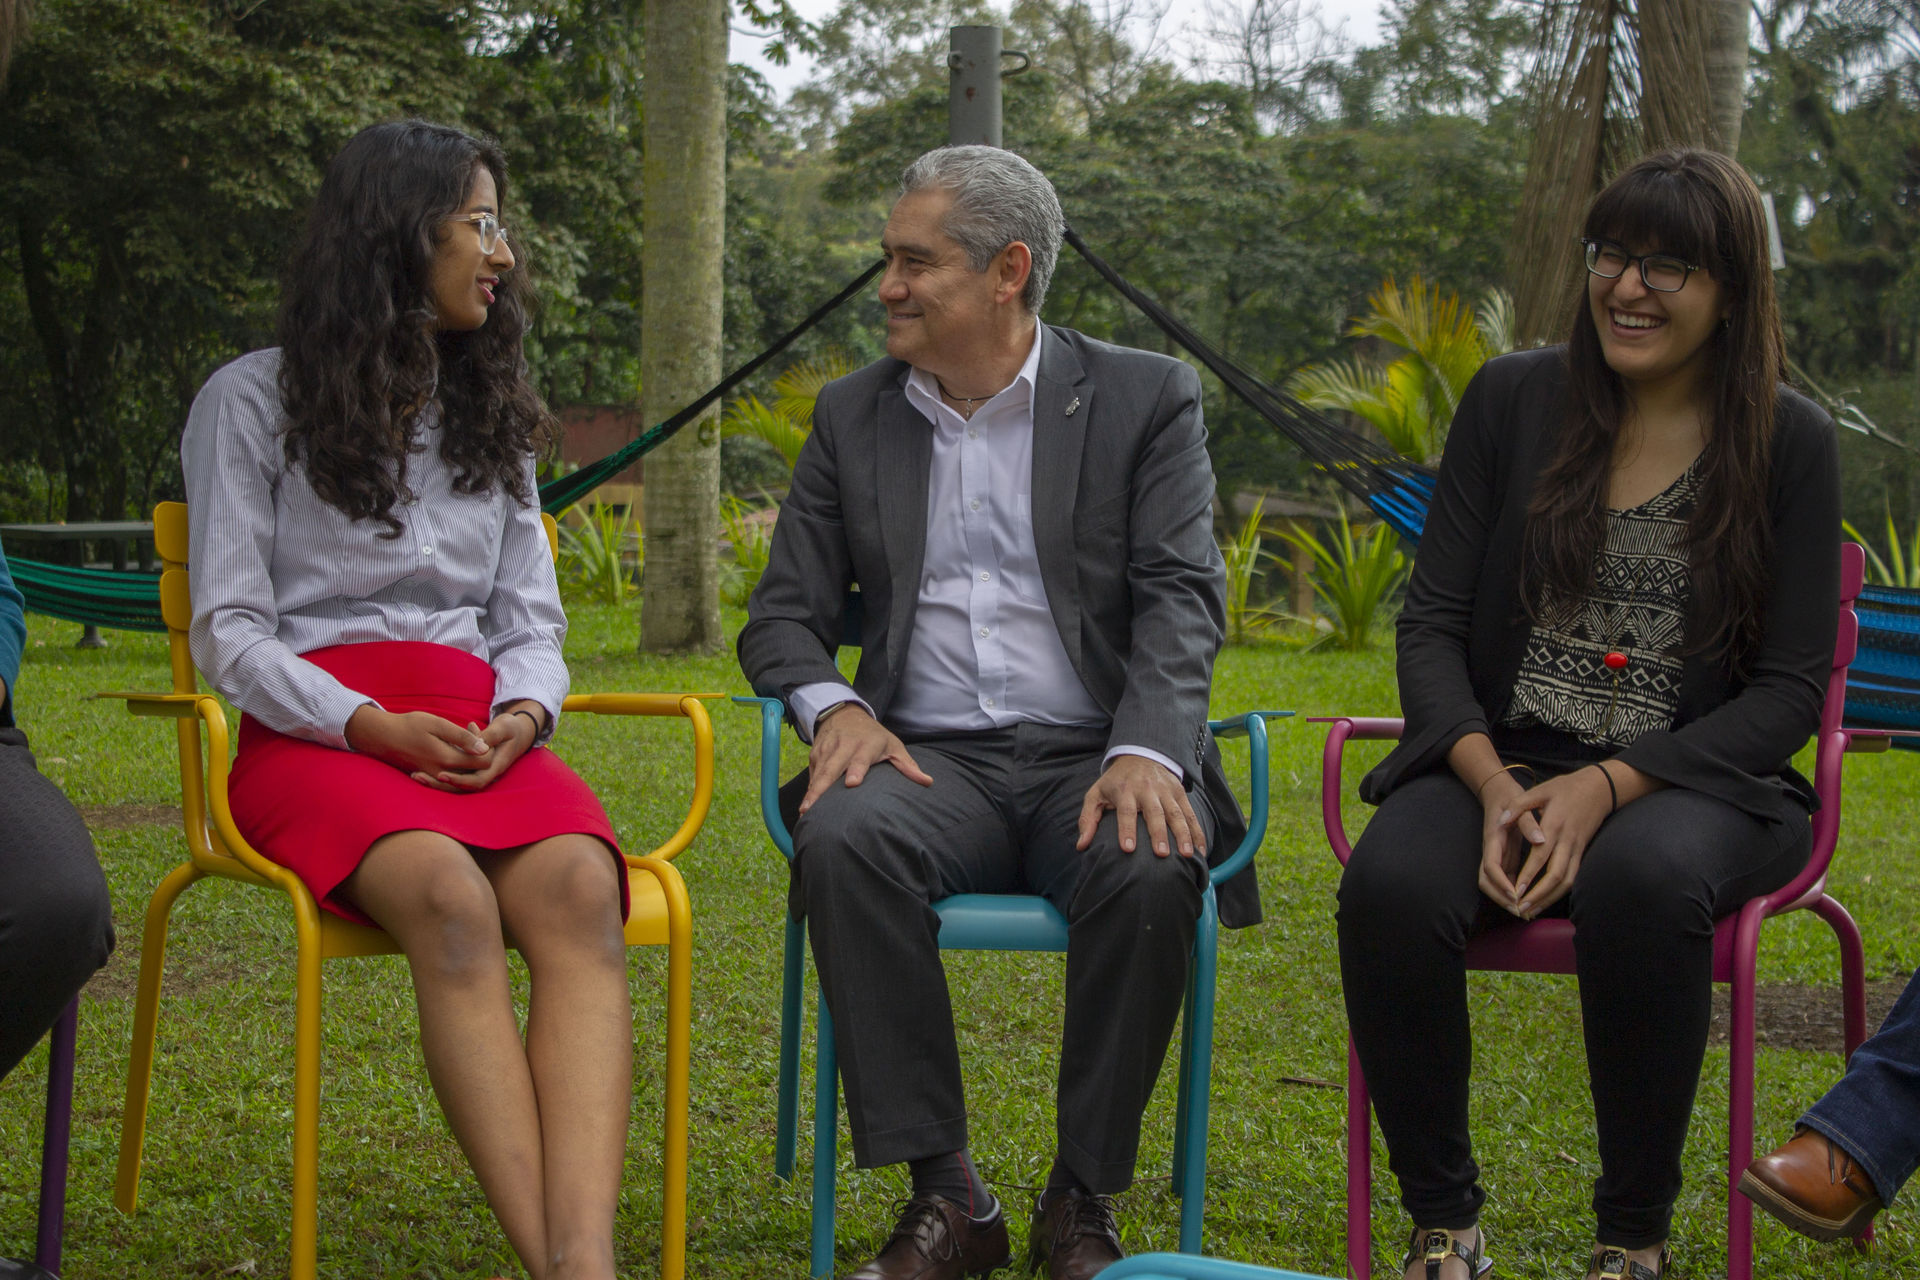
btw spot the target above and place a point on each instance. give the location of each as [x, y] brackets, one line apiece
[1159, 889]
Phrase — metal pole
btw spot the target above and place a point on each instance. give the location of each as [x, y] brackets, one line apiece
[973, 93]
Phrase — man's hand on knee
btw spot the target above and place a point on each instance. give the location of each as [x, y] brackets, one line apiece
[848, 743]
[1136, 789]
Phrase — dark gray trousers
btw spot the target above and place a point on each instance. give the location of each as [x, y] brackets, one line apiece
[56, 923]
[999, 818]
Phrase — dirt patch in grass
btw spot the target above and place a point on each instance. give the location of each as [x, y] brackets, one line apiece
[1794, 1015]
[124, 817]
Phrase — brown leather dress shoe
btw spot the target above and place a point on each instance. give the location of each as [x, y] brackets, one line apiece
[1074, 1235]
[1813, 1186]
[936, 1240]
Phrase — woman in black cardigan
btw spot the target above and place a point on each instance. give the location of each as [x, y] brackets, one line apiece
[1617, 634]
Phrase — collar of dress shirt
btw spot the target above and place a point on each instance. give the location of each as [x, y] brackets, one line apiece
[923, 389]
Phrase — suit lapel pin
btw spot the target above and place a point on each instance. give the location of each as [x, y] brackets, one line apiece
[1072, 405]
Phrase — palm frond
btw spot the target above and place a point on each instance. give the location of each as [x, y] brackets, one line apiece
[750, 416]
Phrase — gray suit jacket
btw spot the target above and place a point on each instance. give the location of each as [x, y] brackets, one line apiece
[1122, 518]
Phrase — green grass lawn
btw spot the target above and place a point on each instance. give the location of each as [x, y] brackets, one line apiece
[397, 1200]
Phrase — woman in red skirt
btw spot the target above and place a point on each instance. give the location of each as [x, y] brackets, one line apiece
[373, 589]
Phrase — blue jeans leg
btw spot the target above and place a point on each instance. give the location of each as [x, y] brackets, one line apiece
[1874, 1112]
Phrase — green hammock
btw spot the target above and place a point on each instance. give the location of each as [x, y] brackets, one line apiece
[131, 601]
[97, 597]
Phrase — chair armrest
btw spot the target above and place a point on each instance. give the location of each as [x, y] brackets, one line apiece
[169, 706]
[1871, 740]
[772, 712]
[219, 760]
[692, 707]
[1252, 726]
[633, 704]
[1340, 729]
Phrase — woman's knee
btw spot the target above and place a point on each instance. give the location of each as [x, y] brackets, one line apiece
[440, 906]
[574, 897]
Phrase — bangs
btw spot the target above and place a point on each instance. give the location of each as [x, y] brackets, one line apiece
[1655, 210]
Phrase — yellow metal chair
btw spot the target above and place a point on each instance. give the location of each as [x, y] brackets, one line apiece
[660, 916]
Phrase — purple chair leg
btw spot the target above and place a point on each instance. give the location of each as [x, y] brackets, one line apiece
[1359, 1170]
[53, 1149]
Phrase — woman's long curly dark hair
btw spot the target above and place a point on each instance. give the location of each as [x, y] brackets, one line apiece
[1700, 206]
[361, 354]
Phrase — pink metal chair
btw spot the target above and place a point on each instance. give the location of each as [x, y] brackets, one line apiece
[1546, 946]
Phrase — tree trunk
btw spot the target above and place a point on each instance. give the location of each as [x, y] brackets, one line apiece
[1726, 73]
[684, 172]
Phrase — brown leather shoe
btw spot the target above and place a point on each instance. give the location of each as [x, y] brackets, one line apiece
[1074, 1235]
[1813, 1186]
[936, 1240]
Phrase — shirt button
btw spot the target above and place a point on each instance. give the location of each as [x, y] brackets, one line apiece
[974, 505]
[985, 576]
[983, 633]
[972, 434]
[989, 702]
[426, 551]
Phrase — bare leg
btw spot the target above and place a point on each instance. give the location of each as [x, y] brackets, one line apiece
[426, 890]
[560, 901]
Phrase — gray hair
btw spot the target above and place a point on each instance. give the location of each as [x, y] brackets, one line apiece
[997, 198]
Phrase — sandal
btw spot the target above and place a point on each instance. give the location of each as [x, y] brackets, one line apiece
[1613, 1264]
[1436, 1244]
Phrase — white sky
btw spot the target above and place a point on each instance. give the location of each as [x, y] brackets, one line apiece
[1357, 21]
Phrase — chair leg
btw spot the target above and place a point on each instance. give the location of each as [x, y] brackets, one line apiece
[146, 1018]
[1197, 1057]
[673, 1195]
[1183, 1094]
[787, 1110]
[826, 1126]
[1853, 987]
[54, 1144]
[304, 1244]
[1359, 1171]
[1740, 1065]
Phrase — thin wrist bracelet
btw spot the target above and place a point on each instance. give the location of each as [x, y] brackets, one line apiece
[522, 711]
[1613, 794]
[1505, 768]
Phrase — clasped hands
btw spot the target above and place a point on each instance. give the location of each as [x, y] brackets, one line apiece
[436, 752]
[848, 743]
[1533, 838]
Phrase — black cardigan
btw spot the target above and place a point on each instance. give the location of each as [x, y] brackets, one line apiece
[1463, 631]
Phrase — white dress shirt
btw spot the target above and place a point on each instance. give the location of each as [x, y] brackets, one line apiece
[985, 653]
[277, 572]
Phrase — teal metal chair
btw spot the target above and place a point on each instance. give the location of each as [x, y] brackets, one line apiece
[1002, 922]
[1183, 1266]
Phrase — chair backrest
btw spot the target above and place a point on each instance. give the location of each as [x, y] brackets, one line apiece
[1831, 745]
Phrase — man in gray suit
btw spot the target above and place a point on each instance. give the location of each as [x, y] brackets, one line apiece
[1027, 514]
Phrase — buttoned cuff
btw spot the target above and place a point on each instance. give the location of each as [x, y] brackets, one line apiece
[1149, 753]
[333, 727]
[809, 701]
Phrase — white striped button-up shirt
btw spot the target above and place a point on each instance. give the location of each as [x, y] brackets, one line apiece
[277, 572]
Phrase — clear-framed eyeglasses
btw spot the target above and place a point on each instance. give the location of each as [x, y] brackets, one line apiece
[1661, 272]
[491, 232]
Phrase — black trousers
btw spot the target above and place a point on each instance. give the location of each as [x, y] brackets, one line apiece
[1652, 883]
[999, 818]
[56, 923]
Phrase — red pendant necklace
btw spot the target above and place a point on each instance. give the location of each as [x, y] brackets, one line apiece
[1615, 658]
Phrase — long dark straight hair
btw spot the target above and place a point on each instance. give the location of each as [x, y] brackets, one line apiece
[361, 357]
[1700, 206]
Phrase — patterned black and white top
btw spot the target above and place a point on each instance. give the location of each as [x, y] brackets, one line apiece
[1638, 607]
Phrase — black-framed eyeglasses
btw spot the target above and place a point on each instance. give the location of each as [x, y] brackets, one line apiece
[1661, 272]
[491, 232]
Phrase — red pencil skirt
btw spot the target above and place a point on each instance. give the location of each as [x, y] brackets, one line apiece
[317, 811]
